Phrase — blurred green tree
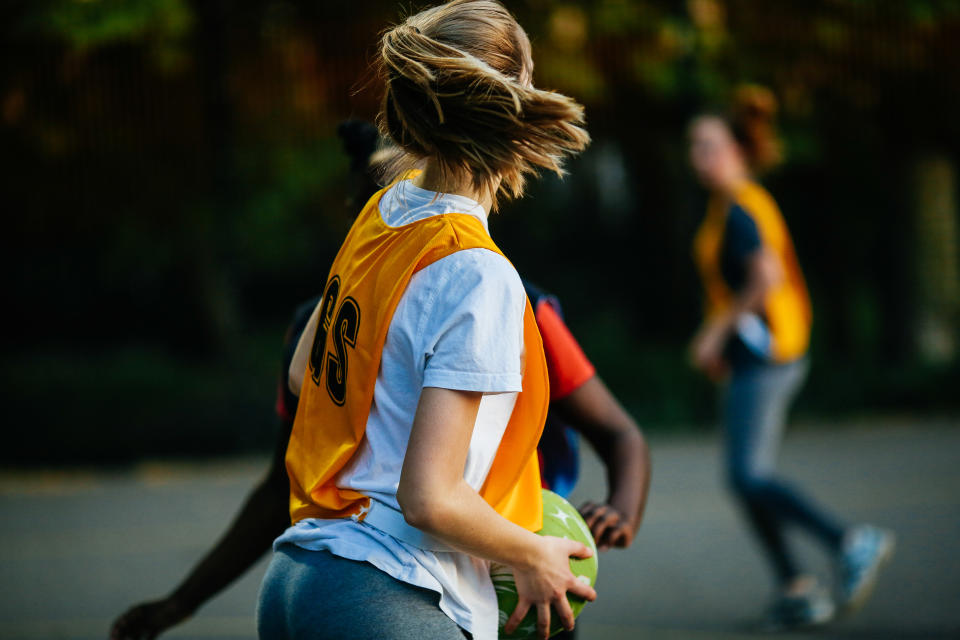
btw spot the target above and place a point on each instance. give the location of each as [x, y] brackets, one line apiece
[175, 184]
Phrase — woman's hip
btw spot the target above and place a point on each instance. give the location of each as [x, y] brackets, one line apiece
[316, 595]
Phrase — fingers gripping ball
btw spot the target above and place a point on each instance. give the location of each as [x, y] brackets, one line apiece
[562, 520]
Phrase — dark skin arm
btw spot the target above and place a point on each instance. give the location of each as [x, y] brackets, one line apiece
[593, 411]
[263, 517]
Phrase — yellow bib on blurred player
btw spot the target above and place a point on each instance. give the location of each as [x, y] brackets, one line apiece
[787, 306]
[367, 280]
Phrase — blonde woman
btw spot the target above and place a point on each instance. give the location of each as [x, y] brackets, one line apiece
[421, 378]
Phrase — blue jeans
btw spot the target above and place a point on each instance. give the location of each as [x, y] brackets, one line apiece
[315, 595]
[756, 404]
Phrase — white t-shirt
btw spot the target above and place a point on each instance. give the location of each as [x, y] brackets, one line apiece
[458, 325]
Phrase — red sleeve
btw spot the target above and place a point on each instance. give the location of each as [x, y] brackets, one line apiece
[283, 412]
[567, 365]
[286, 403]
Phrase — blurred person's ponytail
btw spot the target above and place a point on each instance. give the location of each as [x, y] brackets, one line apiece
[752, 120]
[459, 90]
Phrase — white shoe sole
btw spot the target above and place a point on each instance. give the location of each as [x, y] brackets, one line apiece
[856, 600]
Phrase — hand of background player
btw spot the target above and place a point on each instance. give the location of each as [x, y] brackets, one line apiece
[546, 582]
[148, 620]
[610, 528]
[706, 349]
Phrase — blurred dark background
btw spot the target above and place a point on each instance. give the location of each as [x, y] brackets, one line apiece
[173, 187]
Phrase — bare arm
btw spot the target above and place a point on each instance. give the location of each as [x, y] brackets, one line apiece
[298, 363]
[263, 517]
[435, 498]
[763, 274]
[593, 411]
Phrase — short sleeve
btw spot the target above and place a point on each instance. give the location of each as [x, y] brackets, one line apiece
[742, 237]
[567, 364]
[472, 332]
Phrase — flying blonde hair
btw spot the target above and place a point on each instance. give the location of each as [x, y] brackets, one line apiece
[459, 89]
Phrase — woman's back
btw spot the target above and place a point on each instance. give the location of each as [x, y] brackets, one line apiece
[435, 339]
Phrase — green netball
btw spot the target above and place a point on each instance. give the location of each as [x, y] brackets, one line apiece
[560, 519]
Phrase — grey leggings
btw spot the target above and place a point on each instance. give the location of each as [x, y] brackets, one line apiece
[315, 595]
[756, 405]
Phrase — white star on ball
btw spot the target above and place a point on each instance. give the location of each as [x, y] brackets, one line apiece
[562, 515]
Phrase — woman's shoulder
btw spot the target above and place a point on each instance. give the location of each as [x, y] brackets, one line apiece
[478, 268]
[470, 325]
[759, 205]
[756, 201]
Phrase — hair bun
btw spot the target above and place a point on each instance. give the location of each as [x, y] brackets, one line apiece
[359, 139]
[753, 116]
[754, 101]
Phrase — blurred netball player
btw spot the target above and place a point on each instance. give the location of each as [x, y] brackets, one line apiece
[756, 331]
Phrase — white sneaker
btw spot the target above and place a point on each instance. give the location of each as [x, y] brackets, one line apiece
[866, 549]
[813, 607]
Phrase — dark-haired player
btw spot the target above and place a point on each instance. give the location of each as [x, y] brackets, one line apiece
[579, 401]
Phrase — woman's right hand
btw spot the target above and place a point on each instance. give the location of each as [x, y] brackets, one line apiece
[546, 582]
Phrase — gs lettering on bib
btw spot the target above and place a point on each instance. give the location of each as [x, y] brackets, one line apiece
[346, 329]
[345, 338]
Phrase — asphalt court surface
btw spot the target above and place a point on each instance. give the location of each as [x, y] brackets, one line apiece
[78, 547]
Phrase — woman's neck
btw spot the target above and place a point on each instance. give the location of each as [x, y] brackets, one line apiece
[432, 179]
[729, 189]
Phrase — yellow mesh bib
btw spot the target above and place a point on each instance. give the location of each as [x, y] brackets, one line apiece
[366, 282]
